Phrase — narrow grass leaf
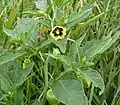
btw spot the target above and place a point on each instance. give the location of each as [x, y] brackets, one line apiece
[86, 23]
[118, 101]
[58, 3]
[14, 11]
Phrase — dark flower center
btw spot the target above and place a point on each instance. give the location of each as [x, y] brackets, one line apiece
[57, 31]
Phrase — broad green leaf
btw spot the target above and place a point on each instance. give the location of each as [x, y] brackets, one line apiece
[69, 92]
[11, 33]
[61, 44]
[76, 17]
[25, 25]
[10, 71]
[45, 43]
[94, 77]
[65, 59]
[77, 43]
[35, 102]
[95, 47]
[5, 86]
[23, 75]
[41, 4]
[25, 30]
[59, 14]
[4, 72]
[46, 23]
[60, 17]
[12, 75]
[10, 56]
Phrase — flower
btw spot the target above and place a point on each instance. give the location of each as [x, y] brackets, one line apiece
[58, 32]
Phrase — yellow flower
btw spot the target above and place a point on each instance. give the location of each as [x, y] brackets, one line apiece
[58, 32]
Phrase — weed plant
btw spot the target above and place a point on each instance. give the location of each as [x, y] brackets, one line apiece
[59, 52]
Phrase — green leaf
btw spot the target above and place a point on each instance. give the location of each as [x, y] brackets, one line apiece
[46, 23]
[95, 47]
[70, 92]
[11, 33]
[34, 13]
[35, 102]
[62, 58]
[18, 96]
[1, 94]
[26, 25]
[7, 102]
[41, 4]
[23, 75]
[66, 1]
[61, 44]
[86, 23]
[10, 56]
[5, 86]
[94, 77]
[25, 30]
[45, 43]
[13, 13]
[58, 3]
[91, 20]
[51, 98]
[76, 17]
[77, 43]
[118, 101]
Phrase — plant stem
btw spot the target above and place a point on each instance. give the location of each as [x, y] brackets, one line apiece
[109, 81]
[115, 96]
[46, 81]
[91, 95]
[54, 14]
[46, 71]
